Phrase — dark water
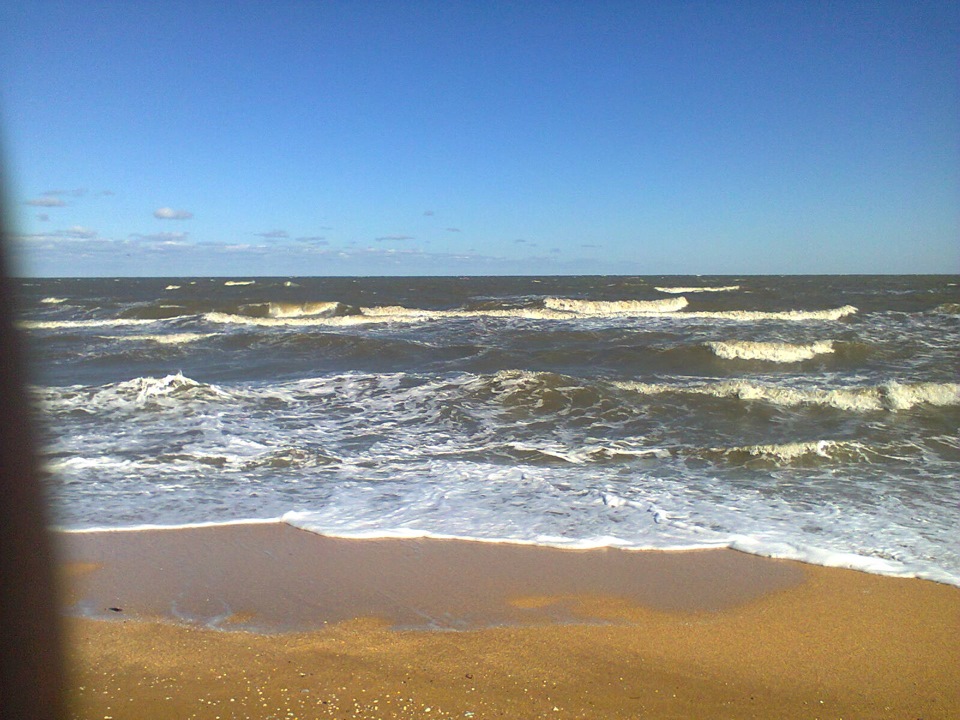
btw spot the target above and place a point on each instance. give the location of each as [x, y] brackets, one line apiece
[807, 417]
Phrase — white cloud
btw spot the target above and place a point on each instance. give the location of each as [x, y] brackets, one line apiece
[166, 213]
[274, 234]
[46, 201]
[78, 232]
[164, 237]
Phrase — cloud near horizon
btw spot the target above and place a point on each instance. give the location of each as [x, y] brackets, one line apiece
[45, 201]
[78, 232]
[161, 237]
[167, 213]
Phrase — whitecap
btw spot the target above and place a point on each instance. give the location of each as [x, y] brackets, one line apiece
[681, 290]
[769, 351]
[788, 315]
[68, 324]
[171, 339]
[890, 396]
[606, 308]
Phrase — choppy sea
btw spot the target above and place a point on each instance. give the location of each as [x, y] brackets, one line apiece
[813, 418]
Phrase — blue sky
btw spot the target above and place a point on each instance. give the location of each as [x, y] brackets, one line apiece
[406, 138]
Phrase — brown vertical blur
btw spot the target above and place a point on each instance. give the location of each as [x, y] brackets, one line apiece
[31, 672]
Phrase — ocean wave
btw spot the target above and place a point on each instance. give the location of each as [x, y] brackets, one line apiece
[796, 452]
[67, 324]
[307, 309]
[682, 290]
[307, 320]
[947, 309]
[172, 287]
[236, 283]
[53, 300]
[171, 339]
[769, 351]
[169, 391]
[568, 309]
[606, 308]
[890, 396]
[583, 454]
[788, 315]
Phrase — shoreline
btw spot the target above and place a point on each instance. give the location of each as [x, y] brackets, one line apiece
[328, 627]
[272, 577]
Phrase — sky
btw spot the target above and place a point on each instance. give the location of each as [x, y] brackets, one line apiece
[480, 138]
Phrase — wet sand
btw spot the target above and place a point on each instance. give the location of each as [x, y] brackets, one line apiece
[269, 621]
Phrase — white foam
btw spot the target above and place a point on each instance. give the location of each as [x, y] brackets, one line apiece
[835, 558]
[336, 321]
[172, 287]
[589, 452]
[232, 283]
[682, 290]
[788, 315]
[891, 396]
[789, 452]
[769, 351]
[68, 324]
[180, 526]
[141, 392]
[53, 300]
[171, 339]
[294, 310]
[606, 308]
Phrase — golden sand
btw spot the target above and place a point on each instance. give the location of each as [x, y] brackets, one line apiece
[710, 634]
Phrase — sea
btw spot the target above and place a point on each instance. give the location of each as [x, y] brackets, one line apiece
[812, 418]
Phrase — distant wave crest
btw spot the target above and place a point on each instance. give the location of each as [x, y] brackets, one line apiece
[682, 290]
[788, 315]
[605, 308]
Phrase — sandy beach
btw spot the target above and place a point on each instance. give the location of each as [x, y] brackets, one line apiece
[264, 620]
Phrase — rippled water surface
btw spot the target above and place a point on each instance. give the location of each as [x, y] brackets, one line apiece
[806, 417]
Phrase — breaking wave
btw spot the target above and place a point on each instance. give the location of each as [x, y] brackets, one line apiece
[681, 290]
[890, 396]
[788, 315]
[769, 351]
[306, 320]
[171, 339]
[53, 300]
[67, 324]
[140, 393]
[796, 452]
[948, 309]
[307, 309]
[605, 308]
